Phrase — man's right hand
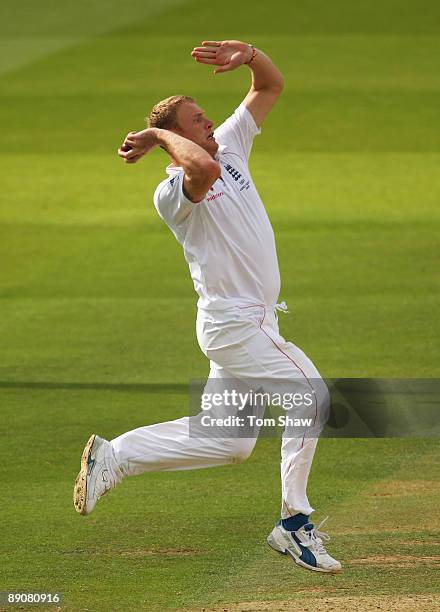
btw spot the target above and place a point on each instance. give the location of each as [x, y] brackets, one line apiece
[137, 144]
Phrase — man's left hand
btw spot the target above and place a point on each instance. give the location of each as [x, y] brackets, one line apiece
[226, 54]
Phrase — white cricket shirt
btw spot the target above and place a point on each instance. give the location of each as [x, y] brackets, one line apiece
[227, 238]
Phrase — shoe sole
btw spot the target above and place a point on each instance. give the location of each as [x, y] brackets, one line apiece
[286, 551]
[80, 488]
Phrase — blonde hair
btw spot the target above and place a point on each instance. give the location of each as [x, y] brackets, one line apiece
[164, 114]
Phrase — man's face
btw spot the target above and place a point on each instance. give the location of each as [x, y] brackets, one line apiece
[194, 125]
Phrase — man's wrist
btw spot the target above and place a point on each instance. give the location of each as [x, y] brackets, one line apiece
[252, 54]
[158, 135]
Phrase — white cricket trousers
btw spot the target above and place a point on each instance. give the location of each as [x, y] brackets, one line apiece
[243, 344]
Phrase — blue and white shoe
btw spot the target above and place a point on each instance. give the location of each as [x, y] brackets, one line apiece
[305, 547]
[99, 473]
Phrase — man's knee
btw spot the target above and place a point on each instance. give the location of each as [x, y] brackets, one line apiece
[324, 396]
[324, 400]
[241, 449]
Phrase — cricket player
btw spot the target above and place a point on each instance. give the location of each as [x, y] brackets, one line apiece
[211, 205]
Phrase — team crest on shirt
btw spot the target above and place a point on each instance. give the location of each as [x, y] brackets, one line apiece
[236, 175]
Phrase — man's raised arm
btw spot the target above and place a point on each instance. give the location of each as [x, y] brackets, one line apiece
[200, 169]
[267, 80]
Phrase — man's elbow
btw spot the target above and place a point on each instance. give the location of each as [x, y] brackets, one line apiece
[278, 86]
[210, 170]
[214, 170]
[275, 86]
[200, 178]
[204, 174]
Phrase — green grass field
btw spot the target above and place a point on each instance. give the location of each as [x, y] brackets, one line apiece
[97, 307]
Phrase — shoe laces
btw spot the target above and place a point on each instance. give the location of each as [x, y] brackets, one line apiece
[282, 307]
[316, 537]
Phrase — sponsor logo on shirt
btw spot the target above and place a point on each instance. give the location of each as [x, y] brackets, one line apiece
[215, 196]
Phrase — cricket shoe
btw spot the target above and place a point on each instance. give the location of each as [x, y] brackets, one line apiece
[305, 547]
[99, 473]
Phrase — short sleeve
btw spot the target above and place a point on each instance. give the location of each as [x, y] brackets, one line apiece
[170, 201]
[238, 132]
